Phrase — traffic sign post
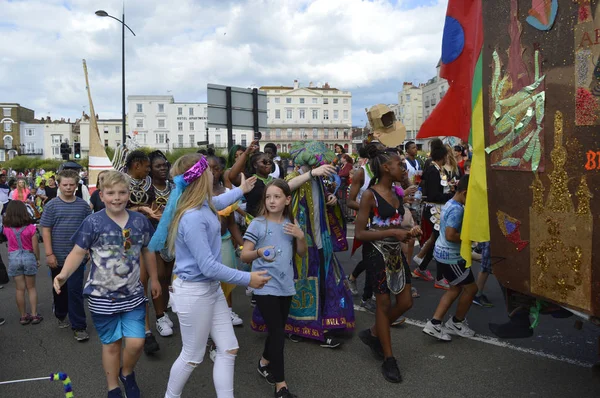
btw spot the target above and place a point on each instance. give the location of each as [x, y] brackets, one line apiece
[236, 108]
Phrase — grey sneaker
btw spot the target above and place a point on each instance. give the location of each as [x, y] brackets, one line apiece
[63, 324]
[460, 328]
[81, 335]
[438, 331]
[368, 306]
[353, 287]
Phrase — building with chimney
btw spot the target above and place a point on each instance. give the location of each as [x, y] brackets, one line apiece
[296, 113]
[11, 116]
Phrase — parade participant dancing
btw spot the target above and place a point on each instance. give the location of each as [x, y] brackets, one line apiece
[141, 198]
[259, 165]
[323, 301]
[162, 187]
[191, 229]
[437, 191]
[378, 224]
[270, 243]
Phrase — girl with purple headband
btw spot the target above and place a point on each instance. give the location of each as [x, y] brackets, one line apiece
[190, 229]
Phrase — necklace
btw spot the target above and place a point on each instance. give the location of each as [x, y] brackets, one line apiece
[162, 195]
[139, 190]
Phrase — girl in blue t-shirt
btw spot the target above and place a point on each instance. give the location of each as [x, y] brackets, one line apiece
[270, 243]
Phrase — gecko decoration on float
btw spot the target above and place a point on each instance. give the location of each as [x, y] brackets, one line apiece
[561, 234]
[516, 106]
[542, 14]
[510, 228]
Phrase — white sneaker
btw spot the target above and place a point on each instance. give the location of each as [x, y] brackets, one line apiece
[437, 331]
[163, 328]
[235, 319]
[169, 321]
[459, 328]
[249, 291]
[212, 353]
[418, 260]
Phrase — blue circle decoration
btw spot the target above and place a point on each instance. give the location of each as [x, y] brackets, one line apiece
[453, 40]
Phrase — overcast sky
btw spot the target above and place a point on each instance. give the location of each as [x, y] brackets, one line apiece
[367, 47]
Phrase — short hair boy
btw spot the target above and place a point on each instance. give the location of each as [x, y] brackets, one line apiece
[454, 268]
[60, 219]
[115, 238]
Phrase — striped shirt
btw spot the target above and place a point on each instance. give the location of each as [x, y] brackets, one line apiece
[64, 218]
[104, 306]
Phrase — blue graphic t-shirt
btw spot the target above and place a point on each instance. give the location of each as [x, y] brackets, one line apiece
[281, 270]
[114, 279]
[452, 216]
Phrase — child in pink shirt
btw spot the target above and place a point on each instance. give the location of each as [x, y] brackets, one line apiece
[23, 257]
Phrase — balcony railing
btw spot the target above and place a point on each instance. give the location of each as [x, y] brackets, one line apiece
[184, 145]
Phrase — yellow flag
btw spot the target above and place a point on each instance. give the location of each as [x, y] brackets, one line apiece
[476, 223]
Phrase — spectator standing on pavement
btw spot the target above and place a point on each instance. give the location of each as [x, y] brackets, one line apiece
[379, 226]
[270, 243]
[61, 218]
[190, 228]
[116, 239]
[4, 192]
[22, 191]
[23, 258]
[51, 188]
[454, 268]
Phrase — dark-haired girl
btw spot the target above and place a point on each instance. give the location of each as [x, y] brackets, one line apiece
[437, 190]
[379, 226]
[253, 163]
[23, 258]
[161, 189]
[270, 243]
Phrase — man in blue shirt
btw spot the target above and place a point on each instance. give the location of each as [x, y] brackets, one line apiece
[454, 268]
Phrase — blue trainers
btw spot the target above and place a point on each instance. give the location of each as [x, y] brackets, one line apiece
[116, 393]
[131, 388]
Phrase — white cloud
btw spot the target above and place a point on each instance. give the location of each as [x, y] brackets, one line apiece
[367, 47]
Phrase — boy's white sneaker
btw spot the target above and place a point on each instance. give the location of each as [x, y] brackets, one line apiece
[438, 331]
[249, 291]
[163, 328]
[459, 328]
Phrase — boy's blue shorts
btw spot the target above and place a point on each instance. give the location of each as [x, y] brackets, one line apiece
[114, 327]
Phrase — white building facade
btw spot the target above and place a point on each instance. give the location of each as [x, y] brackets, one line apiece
[297, 113]
[32, 139]
[410, 102]
[159, 122]
[110, 131]
[54, 135]
[433, 91]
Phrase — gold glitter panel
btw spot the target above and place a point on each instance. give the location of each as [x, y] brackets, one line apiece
[561, 236]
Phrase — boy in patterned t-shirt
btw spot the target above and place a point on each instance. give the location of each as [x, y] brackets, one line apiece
[454, 269]
[115, 238]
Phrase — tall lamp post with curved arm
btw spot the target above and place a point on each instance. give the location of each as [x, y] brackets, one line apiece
[102, 13]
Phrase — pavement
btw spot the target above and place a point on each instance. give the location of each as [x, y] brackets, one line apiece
[555, 362]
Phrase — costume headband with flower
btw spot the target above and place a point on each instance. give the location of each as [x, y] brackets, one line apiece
[182, 181]
[314, 154]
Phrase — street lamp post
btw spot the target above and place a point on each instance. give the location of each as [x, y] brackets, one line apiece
[102, 13]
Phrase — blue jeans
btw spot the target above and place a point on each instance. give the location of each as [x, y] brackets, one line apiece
[70, 299]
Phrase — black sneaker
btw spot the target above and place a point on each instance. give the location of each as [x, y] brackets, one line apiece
[284, 393]
[294, 338]
[372, 342]
[390, 370]
[129, 384]
[150, 345]
[115, 393]
[482, 301]
[2, 320]
[330, 342]
[264, 372]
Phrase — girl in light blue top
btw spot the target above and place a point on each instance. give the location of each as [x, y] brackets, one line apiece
[191, 229]
[270, 243]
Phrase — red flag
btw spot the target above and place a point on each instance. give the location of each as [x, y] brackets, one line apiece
[461, 44]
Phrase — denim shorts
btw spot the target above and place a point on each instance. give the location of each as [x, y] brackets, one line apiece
[114, 327]
[22, 262]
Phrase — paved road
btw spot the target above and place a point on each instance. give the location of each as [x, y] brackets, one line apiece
[554, 363]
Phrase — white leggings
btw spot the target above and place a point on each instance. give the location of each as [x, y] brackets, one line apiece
[202, 311]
